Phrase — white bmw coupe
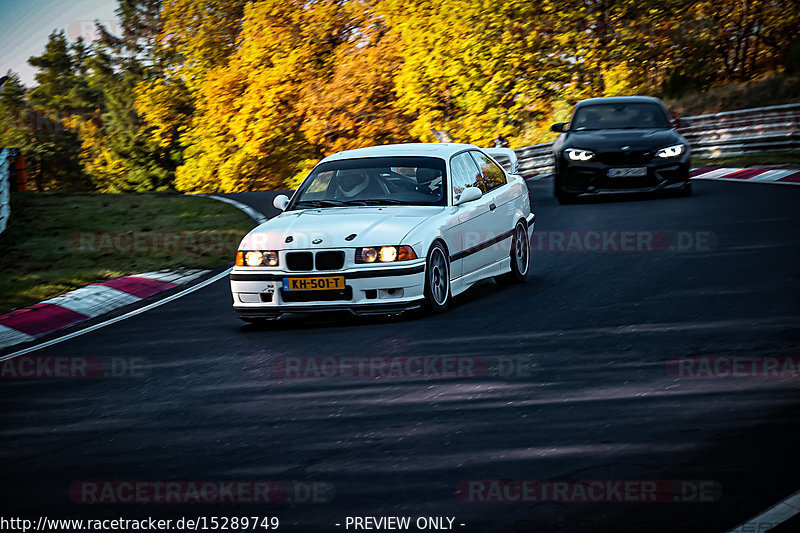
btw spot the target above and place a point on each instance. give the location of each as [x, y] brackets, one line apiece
[387, 229]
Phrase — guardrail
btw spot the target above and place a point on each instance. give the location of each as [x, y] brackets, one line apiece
[744, 132]
[536, 159]
[728, 134]
[7, 156]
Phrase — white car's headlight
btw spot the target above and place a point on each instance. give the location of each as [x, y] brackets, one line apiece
[671, 151]
[385, 254]
[576, 154]
[255, 258]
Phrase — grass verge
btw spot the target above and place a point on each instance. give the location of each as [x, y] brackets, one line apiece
[55, 243]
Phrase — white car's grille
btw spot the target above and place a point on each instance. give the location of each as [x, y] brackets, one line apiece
[308, 261]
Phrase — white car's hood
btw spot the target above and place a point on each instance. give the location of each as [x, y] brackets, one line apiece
[372, 226]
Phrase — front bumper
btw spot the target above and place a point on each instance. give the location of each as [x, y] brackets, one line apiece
[591, 177]
[259, 293]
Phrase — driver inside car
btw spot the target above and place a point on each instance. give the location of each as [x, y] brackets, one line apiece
[355, 184]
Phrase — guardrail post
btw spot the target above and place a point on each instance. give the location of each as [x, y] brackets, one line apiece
[6, 158]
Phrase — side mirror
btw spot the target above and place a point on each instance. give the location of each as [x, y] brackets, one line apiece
[468, 195]
[281, 202]
[558, 127]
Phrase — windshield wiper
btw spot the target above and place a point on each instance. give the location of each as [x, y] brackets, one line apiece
[321, 203]
[383, 201]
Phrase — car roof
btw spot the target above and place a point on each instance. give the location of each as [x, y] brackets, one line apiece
[440, 150]
[620, 100]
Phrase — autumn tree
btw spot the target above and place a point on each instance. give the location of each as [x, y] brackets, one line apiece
[357, 104]
[247, 130]
[118, 148]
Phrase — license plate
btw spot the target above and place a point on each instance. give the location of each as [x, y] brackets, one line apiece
[630, 172]
[313, 284]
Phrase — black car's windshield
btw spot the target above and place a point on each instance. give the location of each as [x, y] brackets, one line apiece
[374, 181]
[618, 116]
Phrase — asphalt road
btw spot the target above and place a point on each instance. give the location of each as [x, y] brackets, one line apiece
[590, 396]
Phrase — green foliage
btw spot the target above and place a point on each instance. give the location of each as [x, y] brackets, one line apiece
[204, 233]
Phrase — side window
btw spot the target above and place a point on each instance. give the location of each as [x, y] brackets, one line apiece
[493, 176]
[464, 173]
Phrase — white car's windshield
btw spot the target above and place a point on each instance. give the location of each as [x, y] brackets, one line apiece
[374, 181]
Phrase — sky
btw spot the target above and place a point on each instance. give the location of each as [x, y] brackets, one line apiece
[26, 24]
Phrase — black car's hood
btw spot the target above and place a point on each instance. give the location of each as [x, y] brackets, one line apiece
[614, 140]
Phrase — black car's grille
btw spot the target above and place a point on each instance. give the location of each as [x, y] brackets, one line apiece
[641, 157]
[299, 261]
[329, 260]
[317, 296]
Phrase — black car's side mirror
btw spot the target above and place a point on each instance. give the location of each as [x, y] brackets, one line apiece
[559, 127]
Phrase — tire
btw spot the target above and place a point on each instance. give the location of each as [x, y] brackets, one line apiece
[562, 197]
[520, 256]
[437, 279]
[686, 190]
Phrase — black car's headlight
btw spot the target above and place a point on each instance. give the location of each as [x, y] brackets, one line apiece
[385, 254]
[576, 154]
[255, 258]
[671, 151]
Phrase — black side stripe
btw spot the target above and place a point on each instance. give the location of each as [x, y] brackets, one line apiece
[482, 246]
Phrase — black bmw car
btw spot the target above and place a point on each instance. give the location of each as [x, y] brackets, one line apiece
[619, 144]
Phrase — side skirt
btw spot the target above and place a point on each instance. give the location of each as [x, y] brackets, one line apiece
[460, 284]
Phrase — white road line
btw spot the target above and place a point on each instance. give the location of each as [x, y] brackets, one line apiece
[249, 211]
[772, 517]
[120, 318]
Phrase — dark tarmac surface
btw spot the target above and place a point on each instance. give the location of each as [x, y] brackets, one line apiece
[579, 386]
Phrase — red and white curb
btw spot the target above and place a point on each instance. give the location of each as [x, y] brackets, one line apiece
[754, 175]
[77, 306]
[750, 175]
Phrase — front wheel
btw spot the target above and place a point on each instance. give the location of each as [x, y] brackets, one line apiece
[562, 196]
[520, 256]
[437, 279]
[686, 190]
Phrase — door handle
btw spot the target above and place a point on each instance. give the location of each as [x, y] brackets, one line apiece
[492, 207]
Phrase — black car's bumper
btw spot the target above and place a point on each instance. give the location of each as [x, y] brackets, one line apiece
[592, 177]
